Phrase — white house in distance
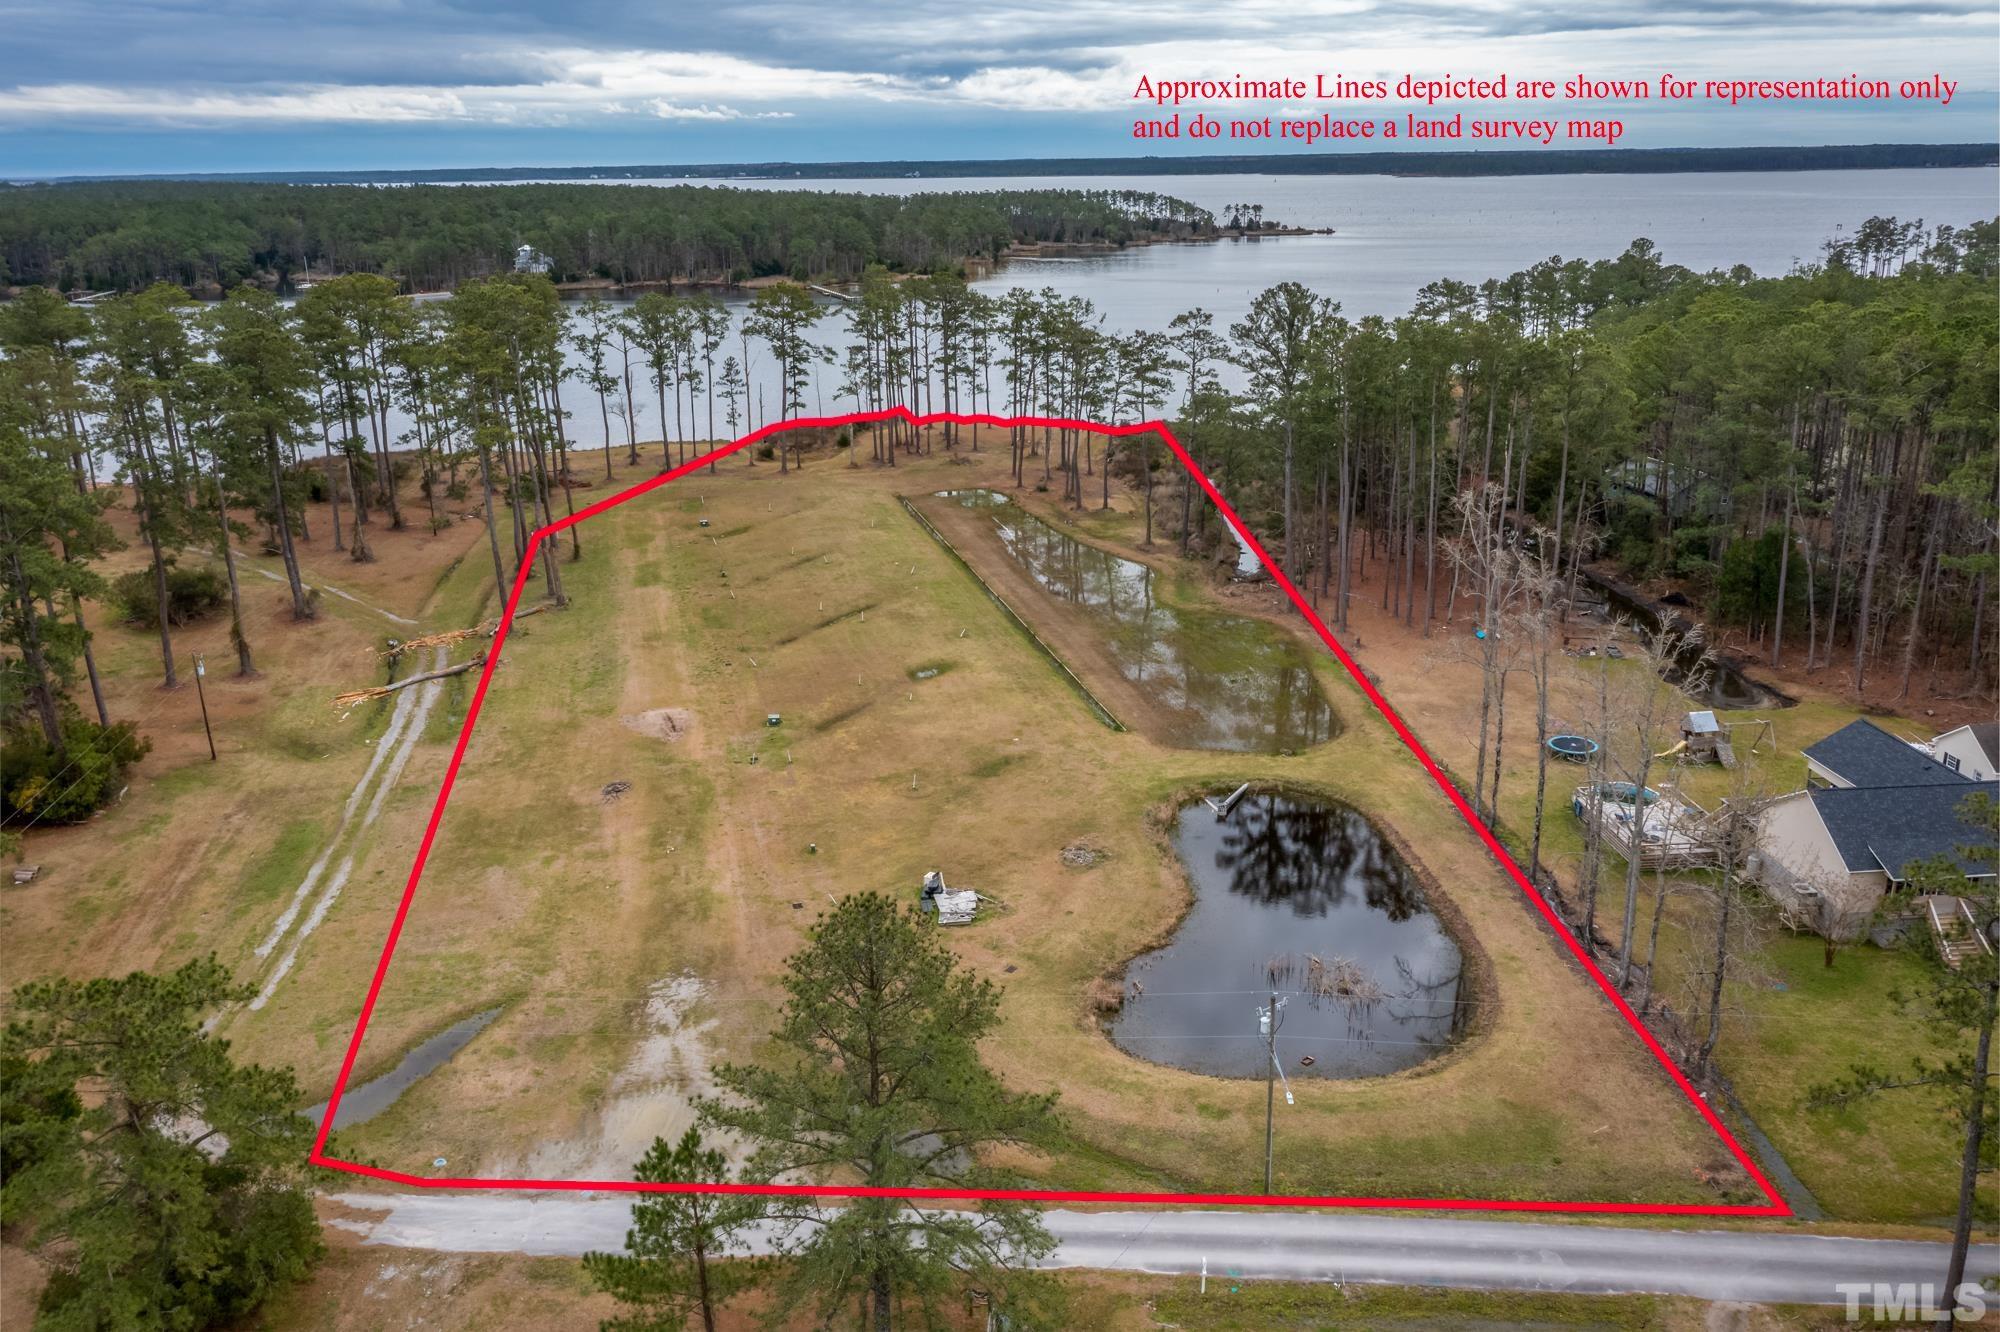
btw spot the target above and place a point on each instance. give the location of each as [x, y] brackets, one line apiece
[1970, 751]
[527, 259]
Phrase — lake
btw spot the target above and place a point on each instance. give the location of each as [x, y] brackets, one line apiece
[1396, 233]
[1393, 235]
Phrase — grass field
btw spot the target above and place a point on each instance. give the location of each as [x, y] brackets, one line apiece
[816, 597]
[631, 943]
[359, 1288]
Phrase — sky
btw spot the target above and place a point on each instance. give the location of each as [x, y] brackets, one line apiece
[114, 86]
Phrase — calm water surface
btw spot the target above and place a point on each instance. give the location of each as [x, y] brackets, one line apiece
[1223, 681]
[1393, 235]
[1288, 879]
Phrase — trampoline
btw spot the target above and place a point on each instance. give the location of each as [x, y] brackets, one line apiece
[1574, 748]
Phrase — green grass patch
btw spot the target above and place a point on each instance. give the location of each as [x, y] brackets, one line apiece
[283, 866]
[1238, 1303]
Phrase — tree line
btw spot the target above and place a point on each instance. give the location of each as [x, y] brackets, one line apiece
[1533, 162]
[1811, 455]
[129, 234]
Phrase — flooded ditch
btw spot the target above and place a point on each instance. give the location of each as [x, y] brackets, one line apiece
[1306, 895]
[1725, 684]
[1221, 681]
[371, 1098]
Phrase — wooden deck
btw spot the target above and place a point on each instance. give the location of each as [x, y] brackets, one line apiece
[1671, 833]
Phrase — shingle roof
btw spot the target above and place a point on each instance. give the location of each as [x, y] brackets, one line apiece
[1890, 827]
[1866, 755]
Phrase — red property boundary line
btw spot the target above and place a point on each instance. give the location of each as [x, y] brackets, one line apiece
[1774, 1207]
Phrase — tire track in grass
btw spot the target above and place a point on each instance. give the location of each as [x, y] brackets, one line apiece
[398, 719]
[406, 727]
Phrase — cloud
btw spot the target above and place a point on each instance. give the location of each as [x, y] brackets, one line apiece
[666, 110]
[520, 63]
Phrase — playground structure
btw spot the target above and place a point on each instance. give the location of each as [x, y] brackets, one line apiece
[1704, 739]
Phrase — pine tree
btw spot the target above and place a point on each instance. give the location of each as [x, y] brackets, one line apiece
[876, 1073]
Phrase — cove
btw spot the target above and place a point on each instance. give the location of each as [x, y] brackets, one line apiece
[1218, 681]
[1306, 895]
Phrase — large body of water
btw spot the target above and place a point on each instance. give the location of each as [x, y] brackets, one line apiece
[1392, 236]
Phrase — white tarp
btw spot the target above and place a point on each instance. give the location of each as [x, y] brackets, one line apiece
[956, 908]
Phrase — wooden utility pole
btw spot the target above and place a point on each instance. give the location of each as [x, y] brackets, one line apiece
[200, 672]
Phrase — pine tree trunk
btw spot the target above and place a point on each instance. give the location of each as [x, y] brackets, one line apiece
[244, 665]
[301, 609]
[1866, 608]
[1975, 1133]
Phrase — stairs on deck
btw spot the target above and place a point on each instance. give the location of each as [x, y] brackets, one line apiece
[1957, 933]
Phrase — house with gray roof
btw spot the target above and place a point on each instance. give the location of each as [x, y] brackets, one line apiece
[1874, 807]
[1863, 754]
[1970, 751]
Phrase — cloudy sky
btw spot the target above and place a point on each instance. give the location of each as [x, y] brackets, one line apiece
[108, 86]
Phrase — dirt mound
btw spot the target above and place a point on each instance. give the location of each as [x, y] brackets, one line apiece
[669, 724]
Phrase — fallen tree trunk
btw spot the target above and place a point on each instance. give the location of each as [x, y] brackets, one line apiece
[349, 701]
[447, 637]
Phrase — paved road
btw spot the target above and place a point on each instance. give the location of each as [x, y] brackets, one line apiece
[1296, 1246]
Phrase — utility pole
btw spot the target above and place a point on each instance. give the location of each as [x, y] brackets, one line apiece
[202, 694]
[1268, 1019]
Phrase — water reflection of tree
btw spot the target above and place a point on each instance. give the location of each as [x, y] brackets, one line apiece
[1310, 856]
[1426, 999]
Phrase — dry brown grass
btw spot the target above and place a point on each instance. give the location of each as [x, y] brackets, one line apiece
[543, 898]
[565, 910]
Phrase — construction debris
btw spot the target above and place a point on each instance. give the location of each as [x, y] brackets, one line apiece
[26, 873]
[1227, 803]
[952, 908]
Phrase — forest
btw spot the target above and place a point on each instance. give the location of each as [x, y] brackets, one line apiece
[1810, 458]
[118, 236]
[1548, 162]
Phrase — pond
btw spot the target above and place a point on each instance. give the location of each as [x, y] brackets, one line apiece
[1305, 895]
[1221, 681]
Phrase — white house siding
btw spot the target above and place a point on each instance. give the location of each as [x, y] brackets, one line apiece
[1971, 759]
[1795, 849]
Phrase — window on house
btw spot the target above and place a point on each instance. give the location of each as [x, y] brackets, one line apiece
[1950, 761]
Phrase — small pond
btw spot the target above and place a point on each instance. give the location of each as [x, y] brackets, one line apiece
[1305, 893]
[359, 1104]
[1221, 681]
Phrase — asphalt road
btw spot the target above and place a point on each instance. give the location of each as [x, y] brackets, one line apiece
[1755, 1266]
